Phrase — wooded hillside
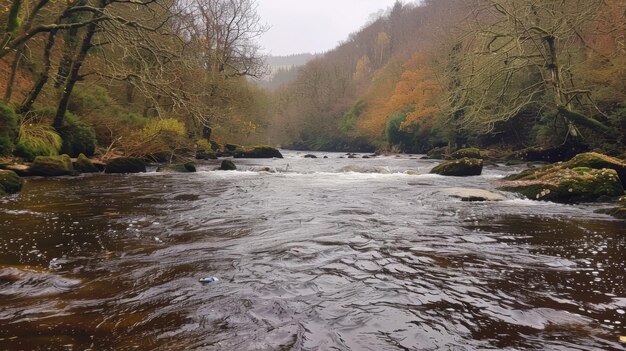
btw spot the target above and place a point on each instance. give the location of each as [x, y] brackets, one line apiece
[457, 72]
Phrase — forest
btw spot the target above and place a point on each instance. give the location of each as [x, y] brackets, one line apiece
[489, 73]
[87, 77]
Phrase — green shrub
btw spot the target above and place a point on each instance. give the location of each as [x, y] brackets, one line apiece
[36, 139]
[77, 137]
[8, 130]
[204, 151]
[161, 140]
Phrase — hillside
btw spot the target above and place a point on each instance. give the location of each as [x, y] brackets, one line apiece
[427, 75]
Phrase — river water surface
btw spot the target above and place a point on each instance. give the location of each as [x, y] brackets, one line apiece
[323, 254]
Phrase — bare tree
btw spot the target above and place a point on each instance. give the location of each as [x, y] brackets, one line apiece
[226, 31]
[518, 55]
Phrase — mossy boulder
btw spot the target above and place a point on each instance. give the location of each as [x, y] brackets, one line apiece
[84, 165]
[177, 168]
[227, 165]
[465, 153]
[261, 151]
[599, 161]
[464, 167]
[125, 165]
[10, 182]
[52, 166]
[566, 185]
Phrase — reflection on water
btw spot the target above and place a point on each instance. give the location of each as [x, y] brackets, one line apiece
[322, 254]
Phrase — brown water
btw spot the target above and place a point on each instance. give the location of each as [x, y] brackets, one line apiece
[325, 254]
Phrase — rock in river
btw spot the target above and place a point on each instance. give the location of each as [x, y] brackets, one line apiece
[125, 165]
[466, 194]
[84, 165]
[586, 177]
[262, 151]
[460, 168]
[177, 168]
[463, 153]
[228, 165]
[566, 185]
[10, 182]
[52, 166]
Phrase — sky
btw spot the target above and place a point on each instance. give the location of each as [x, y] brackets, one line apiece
[315, 26]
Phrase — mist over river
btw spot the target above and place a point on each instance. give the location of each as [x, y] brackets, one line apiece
[321, 254]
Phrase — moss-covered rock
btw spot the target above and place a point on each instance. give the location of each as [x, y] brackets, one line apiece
[177, 168]
[52, 166]
[588, 160]
[460, 168]
[465, 153]
[84, 165]
[261, 151]
[228, 165]
[10, 182]
[125, 165]
[567, 185]
[598, 161]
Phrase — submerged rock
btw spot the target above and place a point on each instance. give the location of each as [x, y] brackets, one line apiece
[467, 194]
[84, 165]
[52, 166]
[310, 156]
[125, 165]
[227, 165]
[10, 182]
[465, 153]
[177, 168]
[464, 167]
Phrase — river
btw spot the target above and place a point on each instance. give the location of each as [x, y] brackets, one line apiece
[323, 254]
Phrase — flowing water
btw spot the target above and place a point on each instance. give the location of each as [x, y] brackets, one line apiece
[323, 254]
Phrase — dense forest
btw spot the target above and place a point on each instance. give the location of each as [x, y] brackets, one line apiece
[498, 73]
[156, 77]
[140, 78]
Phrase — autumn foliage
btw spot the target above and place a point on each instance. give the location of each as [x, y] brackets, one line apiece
[453, 72]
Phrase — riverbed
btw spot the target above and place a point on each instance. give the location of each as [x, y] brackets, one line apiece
[319, 254]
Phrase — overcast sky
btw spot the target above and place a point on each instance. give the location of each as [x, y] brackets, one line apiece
[315, 26]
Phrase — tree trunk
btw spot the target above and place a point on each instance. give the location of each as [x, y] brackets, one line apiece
[14, 66]
[27, 105]
[74, 74]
